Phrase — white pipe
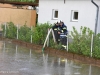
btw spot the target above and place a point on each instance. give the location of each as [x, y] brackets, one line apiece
[5, 31]
[53, 36]
[17, 31]
[91, 44]
[46, 38]
[31, 38]
[67, 43]
[31, 34]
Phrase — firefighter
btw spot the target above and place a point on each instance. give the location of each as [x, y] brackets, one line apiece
[55, 29]
[63, 34]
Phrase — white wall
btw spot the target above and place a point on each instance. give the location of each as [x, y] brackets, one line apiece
[87, 12]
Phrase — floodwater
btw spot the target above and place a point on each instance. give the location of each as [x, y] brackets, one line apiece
[19, 60]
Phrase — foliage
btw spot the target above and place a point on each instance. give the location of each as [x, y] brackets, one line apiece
[96, 46]
[81, 41]
[40, 32]
[56, 46]
[10, 30]
[25, 33]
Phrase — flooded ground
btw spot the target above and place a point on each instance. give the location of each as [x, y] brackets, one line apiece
[18, 60]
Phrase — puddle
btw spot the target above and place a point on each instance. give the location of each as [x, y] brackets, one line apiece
[22, 61]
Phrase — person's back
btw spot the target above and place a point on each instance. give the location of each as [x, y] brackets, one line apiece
[55, 29]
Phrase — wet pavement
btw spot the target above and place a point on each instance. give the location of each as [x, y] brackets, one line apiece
[19, 60]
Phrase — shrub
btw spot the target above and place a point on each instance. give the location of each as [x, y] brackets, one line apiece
[11, 30]
[40, 32]
[96, 46]
[25, 33]
[81, 41]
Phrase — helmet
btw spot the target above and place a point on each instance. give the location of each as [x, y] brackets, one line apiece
[56, 22]
[61, 20]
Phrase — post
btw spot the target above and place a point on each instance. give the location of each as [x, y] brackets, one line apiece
[31, 34]
[5, 31]
[48, 39]
[91, 44]
[17, 31]
[53, 36]
[67, 43]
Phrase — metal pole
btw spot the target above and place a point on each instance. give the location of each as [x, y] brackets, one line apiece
[31, 34]
[5, 31]
[17, 31]
[53, 36]
[48, 40]
[67, 43]
[91, 44]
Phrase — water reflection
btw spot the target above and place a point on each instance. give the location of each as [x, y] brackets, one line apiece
[90, 70]
[26, 61]
[16, 52]
[67, 68]
[30, 53]
[45, 64]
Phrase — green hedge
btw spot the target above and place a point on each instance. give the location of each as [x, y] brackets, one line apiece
[40, 32]
[10, 30]
[81, 43]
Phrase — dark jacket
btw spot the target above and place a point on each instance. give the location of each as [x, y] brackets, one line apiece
[55, 27]
[63, 29]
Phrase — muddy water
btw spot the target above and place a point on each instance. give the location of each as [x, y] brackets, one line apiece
[18, 60]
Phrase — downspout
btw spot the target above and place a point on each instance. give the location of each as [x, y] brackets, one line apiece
[64, 1]
[96, 23]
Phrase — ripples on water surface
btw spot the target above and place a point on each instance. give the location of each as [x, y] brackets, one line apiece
[18, 60]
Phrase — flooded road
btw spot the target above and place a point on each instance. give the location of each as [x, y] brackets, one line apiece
[19, 60]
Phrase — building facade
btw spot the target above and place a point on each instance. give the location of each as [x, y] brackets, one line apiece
[73, 12]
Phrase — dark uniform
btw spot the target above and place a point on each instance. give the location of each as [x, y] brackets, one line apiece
[63, 34]
[55, 29]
